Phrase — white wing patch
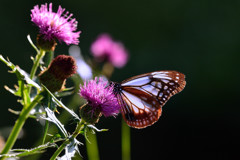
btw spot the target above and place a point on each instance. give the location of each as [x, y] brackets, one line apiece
[161, 75]
[151, 89]
[137, 82]
[135, 100]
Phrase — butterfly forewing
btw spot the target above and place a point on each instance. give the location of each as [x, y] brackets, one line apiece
[142, 97]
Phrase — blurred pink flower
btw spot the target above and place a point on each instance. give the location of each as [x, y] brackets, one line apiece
[104, 48]
[55, 25]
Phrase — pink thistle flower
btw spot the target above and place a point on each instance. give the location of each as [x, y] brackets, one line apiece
[100, 97]
[55, 25]
[104, 48]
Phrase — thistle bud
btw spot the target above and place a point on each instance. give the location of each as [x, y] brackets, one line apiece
[45, 44]
[61, 68]
[90, 115]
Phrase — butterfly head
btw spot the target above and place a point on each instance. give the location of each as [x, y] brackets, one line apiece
[116, 87]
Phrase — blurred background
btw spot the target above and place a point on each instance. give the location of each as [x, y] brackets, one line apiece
[198, 38]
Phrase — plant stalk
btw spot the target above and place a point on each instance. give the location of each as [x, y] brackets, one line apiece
[48, 58]
[92, 148]
[79, 127]
[126, 141]
[19, 124]
[36, 63]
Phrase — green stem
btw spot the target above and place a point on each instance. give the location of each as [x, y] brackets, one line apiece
[79, 127]
[45, 131]
[126, 141]
[36, 63]
[19, 124]
[92, 148]
[47, 122]
[48, 58]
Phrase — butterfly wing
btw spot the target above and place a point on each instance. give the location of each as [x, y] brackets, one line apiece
[142, 97]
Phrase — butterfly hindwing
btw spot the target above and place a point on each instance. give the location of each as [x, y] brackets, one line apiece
[141, 110]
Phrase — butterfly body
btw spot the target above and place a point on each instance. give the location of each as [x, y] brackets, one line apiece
[142, 97]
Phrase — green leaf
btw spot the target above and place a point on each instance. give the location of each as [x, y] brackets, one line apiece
[21, 74]
[65, 92]
[60, 104]
[55, 138]
[11, 90]
[27, 152]
[85, 134]
[96, 129]
[70, 150]
[22, 89]
[52, 118]
[33, 45]
[33, 116]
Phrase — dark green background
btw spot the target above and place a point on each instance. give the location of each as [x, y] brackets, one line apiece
[199, 38]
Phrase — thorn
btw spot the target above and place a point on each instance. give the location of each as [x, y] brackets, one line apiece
[13, 111]
[6, 87]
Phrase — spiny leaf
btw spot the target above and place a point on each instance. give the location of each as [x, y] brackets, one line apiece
[60, 104]
[70, 150]
[96, 129]
[11, 90]
[33, 45]
[65, 92]
[52, 118]
[21, 74]
[19, 112]
[27, 152]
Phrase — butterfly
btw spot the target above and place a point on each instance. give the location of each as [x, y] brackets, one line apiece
[142, 97]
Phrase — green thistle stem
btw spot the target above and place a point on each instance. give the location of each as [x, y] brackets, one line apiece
[48, 58]
[19, 124]
[126, 141]
[92, 148]
[46, 122]
[45, 131]
[36, 63]
[78, 129]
